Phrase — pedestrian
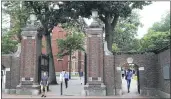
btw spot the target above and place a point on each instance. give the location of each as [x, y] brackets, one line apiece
[44, 84]
[81, 74]
[66, 78]
[128, 78]
[62, 76]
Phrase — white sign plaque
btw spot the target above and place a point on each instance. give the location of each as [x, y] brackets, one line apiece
[118, 68]
[7, 69]
[141, 68]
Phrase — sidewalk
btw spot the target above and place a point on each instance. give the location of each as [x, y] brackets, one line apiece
[74, 92]
[133, 88]
[73, 97]
[74, 88]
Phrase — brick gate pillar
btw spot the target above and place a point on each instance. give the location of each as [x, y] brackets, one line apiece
[30, 51]
[95, 84]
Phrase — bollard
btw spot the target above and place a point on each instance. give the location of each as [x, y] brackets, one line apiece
[61, 89]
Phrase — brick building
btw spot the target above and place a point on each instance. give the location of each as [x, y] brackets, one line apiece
[63, 64]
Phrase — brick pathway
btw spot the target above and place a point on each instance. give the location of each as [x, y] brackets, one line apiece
[74, 91]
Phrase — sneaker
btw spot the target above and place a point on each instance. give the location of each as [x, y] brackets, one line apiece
[42, 95]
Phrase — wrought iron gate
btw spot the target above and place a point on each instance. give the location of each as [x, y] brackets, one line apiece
[43, 65]
[138, 81]
[85, 68]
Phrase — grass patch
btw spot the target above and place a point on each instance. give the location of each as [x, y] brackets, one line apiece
[135, 77]
[72, 74]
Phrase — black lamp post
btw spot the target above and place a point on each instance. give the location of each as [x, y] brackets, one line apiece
[85, 68]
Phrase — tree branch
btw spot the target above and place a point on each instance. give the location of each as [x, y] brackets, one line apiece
[114, 22]
[102, 18]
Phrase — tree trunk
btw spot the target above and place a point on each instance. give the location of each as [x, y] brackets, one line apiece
[110, 24]
[109, 35]
[52, 74]
[70, 64]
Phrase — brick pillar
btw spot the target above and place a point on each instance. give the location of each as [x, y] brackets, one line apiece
[95, 85]
[30, 51]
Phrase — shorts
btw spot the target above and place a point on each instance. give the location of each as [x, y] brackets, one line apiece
[43, 88]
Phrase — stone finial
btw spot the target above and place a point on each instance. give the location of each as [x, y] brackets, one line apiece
[32, 23]
[95, 23]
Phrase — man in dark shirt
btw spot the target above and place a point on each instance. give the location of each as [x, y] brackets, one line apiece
[44, 84]
[128, 78]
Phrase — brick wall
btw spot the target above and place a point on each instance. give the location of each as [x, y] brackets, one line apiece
[148, 76]
[12, 76]
[163, 59]
[109, 76]
[59, 33]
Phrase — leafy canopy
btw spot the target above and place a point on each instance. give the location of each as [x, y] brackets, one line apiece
[158, 35]
[9, 46]
[125, 32]
[74, 41]
[18, 16]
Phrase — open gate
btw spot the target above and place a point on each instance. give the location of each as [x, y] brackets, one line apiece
[85, 68]
[43, 65]
[138, 81]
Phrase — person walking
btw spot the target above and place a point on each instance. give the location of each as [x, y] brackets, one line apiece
[66, 79]
[81, 76]
[44, 84]
[128, 78]
[61, 78]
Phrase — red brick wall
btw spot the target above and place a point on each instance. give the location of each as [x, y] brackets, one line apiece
[57, 33]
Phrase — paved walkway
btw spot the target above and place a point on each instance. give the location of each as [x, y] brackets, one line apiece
[74, 88]
[74, 91]
[133, 88]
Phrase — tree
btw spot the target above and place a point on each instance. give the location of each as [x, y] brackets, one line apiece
[49, 18]
[125, 32]
[18, 16]
[109, 12]
[163, 25]
[155, 40]
[8, 46]
[158, 35]
[50, 13]
[73, 41]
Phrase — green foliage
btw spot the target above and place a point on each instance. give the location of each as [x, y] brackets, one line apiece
[18, 14]
[73, 41]
[125, 32]
[109, 12]
[155, 40]
[163, 25]
[115, 47]
[158, 35]
[9, 46]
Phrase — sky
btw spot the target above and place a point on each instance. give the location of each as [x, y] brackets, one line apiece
[150, 14]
